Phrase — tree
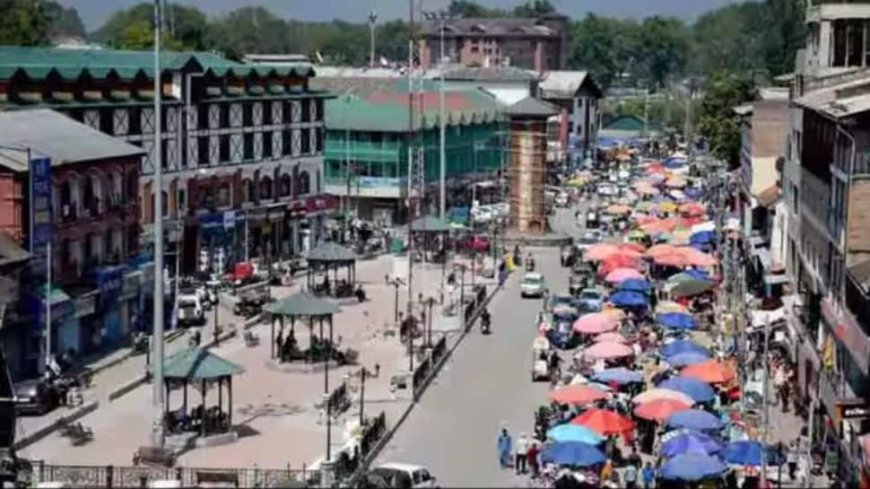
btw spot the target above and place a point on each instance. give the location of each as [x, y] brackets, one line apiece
[23, 23]
[186, 28]
[63, 22]
[662, 49]
[471, 9]
[534, 8]
[603, 46]
[255, 30]
[718, 122]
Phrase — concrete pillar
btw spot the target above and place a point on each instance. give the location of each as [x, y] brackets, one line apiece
[826, 44]
[327, 474]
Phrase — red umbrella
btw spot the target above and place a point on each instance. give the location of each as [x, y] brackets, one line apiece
[577, 394]
[692, 209]
[615, 261]
[697, 257]
[711, 371]
[659, 409]
[672, 260]
[604, 422]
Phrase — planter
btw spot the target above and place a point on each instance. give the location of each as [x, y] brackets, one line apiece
[92, 95]
[62, 96]
[30, 97]
[120, 94]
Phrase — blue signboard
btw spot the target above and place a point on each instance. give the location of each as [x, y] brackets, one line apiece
[378, 182]
[40, 214]
[214, 220]
[110, 281]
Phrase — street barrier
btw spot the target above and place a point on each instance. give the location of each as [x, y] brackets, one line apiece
[421, 374]
[439, 350]
[339, 400]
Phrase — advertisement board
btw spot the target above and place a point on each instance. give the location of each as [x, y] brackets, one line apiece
[40, 214]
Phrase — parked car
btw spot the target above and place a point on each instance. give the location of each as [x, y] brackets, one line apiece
[532, 285]
[36, 397]
[189, 308]
[591, 300]
[399, 475]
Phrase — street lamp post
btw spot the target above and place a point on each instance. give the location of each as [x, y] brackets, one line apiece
[429, 325]
[442, 17]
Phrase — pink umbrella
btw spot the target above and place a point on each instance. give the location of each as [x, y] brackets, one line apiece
[697, 257]
[600, 251]
[608, 350]
[620, 274]
[672, 260]
[612, 336]
[660, 393]
[595, 323]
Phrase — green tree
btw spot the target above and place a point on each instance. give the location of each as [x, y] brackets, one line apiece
[185, 28]
[717, 121]
[255, 30]
[23, 23]
[662, 49]
[603, 46]
[534, 8]
[63, 22]
[471, 9]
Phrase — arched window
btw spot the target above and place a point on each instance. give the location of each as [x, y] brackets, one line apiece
[285, 185]
[165, 204]
[304, 183]
[247, 190]
[265, 188]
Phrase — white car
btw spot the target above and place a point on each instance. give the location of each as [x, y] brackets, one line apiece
[532, 285]
[607, 189]
[188, 308]
[404, 475]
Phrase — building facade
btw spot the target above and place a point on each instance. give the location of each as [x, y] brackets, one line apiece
[578, 98]
[241, 148]
[368, 141]
[539, 44]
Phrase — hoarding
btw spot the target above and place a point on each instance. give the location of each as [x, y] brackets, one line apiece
[40, 214]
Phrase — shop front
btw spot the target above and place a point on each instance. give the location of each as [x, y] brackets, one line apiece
[110, 283]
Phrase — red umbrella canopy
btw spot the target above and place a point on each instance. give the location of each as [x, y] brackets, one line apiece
[604, 422]
[674, 259]
[615, 261]
[659, 409]
[577, 394]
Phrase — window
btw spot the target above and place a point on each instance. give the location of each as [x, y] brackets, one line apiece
[224, 148]
[247, 115]
[267, 113]
[284, 185]
[107, 122]
[286, 146]
[248, 146]
[306, 111]
[202, 150]
[247, 190]
[224, 120]
[306, 139]
[265, 188]
[304, 183]
[181, 200]
[839, 35]
[164, 206]
[267, 143]
[164, 154]
[223, 195]
[288, 113]
[318, 140]
[202, 116]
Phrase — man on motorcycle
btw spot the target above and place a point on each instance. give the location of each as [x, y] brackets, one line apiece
[485, 321]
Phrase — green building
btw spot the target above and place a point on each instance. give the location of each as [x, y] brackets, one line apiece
[367, 147]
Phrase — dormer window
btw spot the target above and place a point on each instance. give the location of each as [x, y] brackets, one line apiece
[478, 28]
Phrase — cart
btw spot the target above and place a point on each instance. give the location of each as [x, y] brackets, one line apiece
[540, 368]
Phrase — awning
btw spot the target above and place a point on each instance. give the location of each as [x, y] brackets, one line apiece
[776, 279]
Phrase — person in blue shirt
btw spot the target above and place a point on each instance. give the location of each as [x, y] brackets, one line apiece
[649, 475]
[504, 448]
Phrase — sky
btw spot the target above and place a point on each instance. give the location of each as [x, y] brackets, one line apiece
[95, 12]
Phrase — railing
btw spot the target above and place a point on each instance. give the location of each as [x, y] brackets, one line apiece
[439, 350]
[339, 400]
[420, 375]
[109, 476]
[372, 432]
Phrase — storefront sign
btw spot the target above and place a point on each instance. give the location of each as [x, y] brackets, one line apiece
[110, 281]
[256, 215]
[850, 334]
[40, 212]
[377, 182]
[211, 221]
[85, 305]
[229, 220]
[314, 205]
[853, 409]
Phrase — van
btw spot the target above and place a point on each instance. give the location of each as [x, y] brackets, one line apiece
[404, 475]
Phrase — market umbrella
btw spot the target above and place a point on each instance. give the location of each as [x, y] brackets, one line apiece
[661, 249]
[622, 274]
[698, 258]
[625, 298]
[687, 358]
[748, 452]
[634, 284]
[711, 371]
[577, 395]
[692, 209]
[681, 277]
[571, 432]
[677, 320]
[620, 259]
[665, 307]
[607, 350]
[595, 323]
[610, 336]
[572, 453]
[703, 237]
[604, 422]
[694, 388]
[600, 251]
[616, 209]
[682, 346]
[691, 442]
[659, 393]
[659, 409]
[690, 288]
[697, 274]
[617, 314]
[694, 419]
[675, 259]
[692, 467]
[619, 375]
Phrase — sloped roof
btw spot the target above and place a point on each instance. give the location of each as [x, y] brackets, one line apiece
[198, 364]
[303, 304]
[565, 84]
[37, 63]
[50, 134]
[839, 100]
[491, 73]
[330, 251]
[531, 107]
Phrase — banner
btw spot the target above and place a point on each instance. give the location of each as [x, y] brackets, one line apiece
[40, 214]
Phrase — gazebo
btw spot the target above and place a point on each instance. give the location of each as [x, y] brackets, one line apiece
[430, 227]
[200, 365]
[301, 305]
[330, 256]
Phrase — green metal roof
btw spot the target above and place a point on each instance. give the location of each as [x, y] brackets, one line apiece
[302, 304]
[331, 252]
[430, 224]
[37, 63]
[365, 114]
[198, 364]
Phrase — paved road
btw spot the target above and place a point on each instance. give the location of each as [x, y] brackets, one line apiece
[485, 386]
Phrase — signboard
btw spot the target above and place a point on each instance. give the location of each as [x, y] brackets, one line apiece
[110, 281]
[314, 205]
[211, 221]
[85, 305]
[229, 220]
[853, 409]
[850, 334]
[40, 214]
[377, 182]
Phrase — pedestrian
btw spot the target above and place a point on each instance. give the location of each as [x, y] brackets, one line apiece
[606, 471]
[521, 451]
[649, 475]
[532, 458]
[504, 448]
[634, 459]
[791, 458]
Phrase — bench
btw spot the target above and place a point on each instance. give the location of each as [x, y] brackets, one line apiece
[154, 456]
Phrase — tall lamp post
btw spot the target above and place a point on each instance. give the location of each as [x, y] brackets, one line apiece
[442, 17]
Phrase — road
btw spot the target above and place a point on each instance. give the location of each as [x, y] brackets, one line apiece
[485, 386]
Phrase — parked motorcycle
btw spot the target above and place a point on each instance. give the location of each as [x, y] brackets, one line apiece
[485, 322]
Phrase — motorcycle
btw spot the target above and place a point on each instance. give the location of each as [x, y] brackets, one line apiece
[485, 323]
[530, 265]
[360, 294]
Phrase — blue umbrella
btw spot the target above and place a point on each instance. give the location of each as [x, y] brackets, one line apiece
[573, 453]
[748, 452]
[694, 419]
[620, 375]
[678, 320]
[692, 467]
[574, 433]
[698, 390]
[703, 237]
[693, 192]
[692, 442]
[683, 346]
[626, 298]
[687, 358]
[634, 285]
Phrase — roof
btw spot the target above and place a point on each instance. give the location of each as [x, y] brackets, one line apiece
[330, 251]
[302, 304]
[630, 123]
[387, 111]
[198, 364]
[493, 27]
[39, 62]
[860, 273]
[490, 73]
[430, 224]
[565, 84]
[840, 100]
[531, 107]
[58, 137]
[10, 251]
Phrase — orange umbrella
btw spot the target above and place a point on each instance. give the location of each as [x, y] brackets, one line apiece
[604, 422]
[711, 371]
[632, 246]
[577, 394]
[656, 168]
[660, 409]
[615, 261]
[692, 209]
[676, 259]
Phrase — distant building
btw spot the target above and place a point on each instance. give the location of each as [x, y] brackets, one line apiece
[578, 98]
[539, 44]
[631, 127]
[837, 34]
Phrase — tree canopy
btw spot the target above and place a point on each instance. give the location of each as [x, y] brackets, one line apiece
[717, 121]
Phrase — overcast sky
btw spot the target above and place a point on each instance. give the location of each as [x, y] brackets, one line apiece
[95, 12]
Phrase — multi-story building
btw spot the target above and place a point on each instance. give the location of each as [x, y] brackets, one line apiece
[578, 98]
[837, 33]
[539, 44]
[241, 145]
[93, 228]
[368, 141]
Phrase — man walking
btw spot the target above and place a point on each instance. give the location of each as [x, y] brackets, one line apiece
[520, 453]
[504, 448]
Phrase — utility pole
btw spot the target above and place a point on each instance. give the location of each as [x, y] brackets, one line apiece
[766, 413]
[442, 140]
[50, 261]
[373, 20]
[158, 401]
[412, 153]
